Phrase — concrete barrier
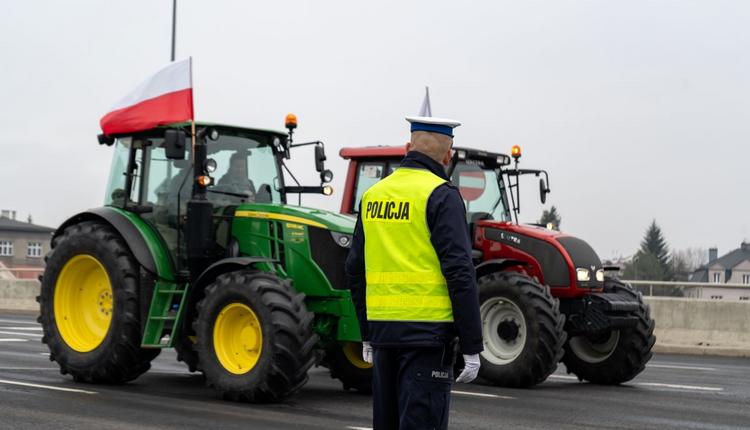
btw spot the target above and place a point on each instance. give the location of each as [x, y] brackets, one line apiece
[689, 326]
[19, 294]
[710, 327]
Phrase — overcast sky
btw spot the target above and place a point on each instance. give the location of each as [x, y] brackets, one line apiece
[639, 110]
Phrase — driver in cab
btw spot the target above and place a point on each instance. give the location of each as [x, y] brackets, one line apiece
[235, 180]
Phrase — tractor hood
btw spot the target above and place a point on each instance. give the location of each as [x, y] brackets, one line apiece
[298, 215]
[559, 254]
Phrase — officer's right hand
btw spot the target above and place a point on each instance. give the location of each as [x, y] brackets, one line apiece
[367, 352]
[471, 369]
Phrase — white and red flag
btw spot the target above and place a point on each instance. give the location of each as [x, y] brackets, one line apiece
[164, 98]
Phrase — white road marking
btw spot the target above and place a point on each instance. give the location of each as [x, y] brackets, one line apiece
[680, 387]
[358, 428]
[469, 393]
[674, 366]
[46, 387]
[563, 377]
[655, 384]
[44, 353]
[15, 333]
[13, 340]
[29, 368]
[22, 328]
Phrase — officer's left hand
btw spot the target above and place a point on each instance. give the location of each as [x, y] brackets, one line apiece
[471, 369]
[367, 352]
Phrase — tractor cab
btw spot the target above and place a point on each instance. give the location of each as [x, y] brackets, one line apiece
[488, 186]
[158, 176]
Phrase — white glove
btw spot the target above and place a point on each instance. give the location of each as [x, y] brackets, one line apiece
[367, 352]
[471, 369]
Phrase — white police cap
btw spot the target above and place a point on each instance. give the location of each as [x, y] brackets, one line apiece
[433, 125]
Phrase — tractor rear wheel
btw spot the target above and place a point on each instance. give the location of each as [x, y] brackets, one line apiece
[617, 356]
[89, 307]
[345, 361]
[522, 329]
[254, 337]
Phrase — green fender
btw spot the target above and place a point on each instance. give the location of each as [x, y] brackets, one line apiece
[145, 243]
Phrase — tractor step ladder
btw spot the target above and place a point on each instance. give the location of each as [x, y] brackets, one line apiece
[161, 312]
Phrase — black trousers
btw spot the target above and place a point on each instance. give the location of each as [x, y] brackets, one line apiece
[412, 388]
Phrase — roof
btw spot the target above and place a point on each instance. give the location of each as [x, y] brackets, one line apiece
[7, 224]
[700, 275]
[220, 125]
[400, 151]
[373, 151]
[731, 259]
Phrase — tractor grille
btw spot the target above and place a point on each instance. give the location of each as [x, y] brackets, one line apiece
[329, 256]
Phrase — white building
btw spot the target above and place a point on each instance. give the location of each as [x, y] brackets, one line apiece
[731, 268]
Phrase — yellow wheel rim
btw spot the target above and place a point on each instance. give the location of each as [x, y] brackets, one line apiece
[238, 338]
[353, 353]
[83, 303]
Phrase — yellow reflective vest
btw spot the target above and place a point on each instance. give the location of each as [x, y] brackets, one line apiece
[403, 276]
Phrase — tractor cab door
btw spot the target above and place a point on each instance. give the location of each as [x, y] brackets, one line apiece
[160, 188]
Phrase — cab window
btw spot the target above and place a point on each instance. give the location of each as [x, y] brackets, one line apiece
[368, 174]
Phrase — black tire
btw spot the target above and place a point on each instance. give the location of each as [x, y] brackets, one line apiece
[287, 345]
[630, 352]
[532, 361]
[184, 345]
[119, 357]
[345, 362]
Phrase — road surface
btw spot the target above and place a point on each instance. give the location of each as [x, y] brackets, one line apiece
[674, 392]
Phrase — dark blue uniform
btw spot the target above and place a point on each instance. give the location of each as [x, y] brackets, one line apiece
[413, 371]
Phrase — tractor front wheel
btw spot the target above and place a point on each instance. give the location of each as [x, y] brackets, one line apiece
[522, 328]
[617, 356]
[254, 337]
[345, 361]
[89, 306]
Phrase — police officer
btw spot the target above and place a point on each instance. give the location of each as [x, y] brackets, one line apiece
[412, 280]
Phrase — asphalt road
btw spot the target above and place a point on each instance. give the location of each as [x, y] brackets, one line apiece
[675, 392]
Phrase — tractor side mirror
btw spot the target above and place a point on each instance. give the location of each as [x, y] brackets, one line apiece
[174, 144]
[543, 190]
[320, 158]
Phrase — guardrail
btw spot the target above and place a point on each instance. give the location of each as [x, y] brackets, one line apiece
[696, 290]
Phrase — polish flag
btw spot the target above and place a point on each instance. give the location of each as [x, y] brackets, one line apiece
[164, 98]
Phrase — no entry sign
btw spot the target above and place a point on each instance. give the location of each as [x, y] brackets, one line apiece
[471, 184]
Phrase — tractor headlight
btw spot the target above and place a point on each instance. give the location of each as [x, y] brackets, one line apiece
[343, 240]
[600, 275]
[583, 274]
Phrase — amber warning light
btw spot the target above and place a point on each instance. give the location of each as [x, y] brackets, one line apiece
[204, 180]
[516, 152]
[291, 121]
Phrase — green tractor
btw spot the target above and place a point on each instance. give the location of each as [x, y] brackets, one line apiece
[196, 248]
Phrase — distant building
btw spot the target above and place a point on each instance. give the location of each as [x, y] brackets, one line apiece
[22, 245]
[730, 268]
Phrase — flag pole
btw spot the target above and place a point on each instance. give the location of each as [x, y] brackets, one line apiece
[174, 26]
[192, 109]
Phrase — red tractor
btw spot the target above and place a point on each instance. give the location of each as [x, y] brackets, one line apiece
[545, 296]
